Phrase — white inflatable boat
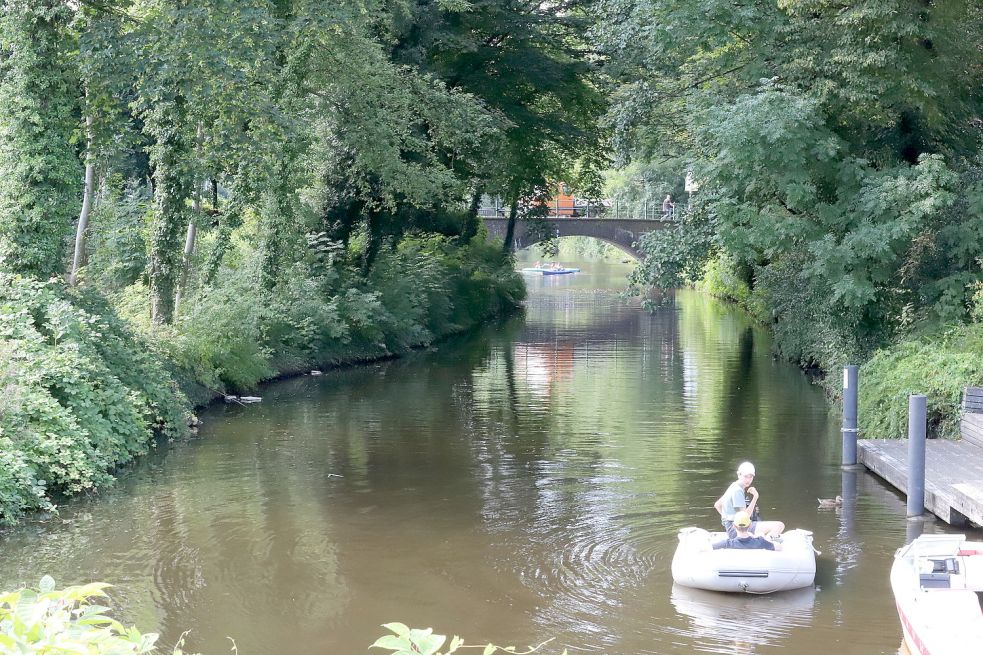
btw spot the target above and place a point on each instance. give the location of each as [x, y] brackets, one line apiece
[938, 587]
[696, 564]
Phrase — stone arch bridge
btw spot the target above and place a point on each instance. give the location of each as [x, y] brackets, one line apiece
[619, 232]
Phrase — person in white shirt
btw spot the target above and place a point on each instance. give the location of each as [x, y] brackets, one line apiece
[734, 501]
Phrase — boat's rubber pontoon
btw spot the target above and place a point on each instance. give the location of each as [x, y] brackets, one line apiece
[758, 571]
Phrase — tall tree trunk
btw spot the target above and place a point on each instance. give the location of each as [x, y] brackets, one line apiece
[278, 217]
[171, 190]
[470, 227]
[508, 247]
[228, 220]
[189, 241]
[189, 250]
[374, 241]
[39, 168]
[87, 193]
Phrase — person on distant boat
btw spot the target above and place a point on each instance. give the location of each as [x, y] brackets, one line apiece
[733, 501]
[743, 538]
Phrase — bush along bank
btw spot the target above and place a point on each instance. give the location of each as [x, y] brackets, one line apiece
[87, 381]
[325, 309]
[939, 363]
[81, 394]
[849, 202]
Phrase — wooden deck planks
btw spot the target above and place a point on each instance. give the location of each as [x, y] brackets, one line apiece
[971, 428]
[953, 474]
[968, 500]
[953, 469]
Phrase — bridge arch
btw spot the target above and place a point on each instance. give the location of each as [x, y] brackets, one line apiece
[621, 233]
[633, 253]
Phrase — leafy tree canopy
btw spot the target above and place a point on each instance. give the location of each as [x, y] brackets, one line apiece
[840, 140]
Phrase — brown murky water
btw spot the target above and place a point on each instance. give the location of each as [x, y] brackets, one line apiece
[524, 483]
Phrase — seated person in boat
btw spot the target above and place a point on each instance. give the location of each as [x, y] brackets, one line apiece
[744, 539]
[733, 501]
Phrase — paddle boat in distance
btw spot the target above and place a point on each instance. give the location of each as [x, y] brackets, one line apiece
[937, 582]
[740, 570]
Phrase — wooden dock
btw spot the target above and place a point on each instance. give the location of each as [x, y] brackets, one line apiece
[953, 469]
[953, 474]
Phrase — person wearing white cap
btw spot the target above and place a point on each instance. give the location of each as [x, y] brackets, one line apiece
[734, 501]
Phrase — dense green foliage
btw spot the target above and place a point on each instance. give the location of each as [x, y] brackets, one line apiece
[953, 355]
[277, 186]
[39, 170]
[81, 394]
[70, 620]
[837, 149]
[722, 279]
[532, 67]
[232, 335]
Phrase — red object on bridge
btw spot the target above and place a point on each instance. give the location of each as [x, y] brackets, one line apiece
[562, 202]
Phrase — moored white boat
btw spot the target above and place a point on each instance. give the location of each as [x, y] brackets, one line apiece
[757, 571]
[937, 582]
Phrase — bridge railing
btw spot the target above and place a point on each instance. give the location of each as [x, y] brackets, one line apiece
[635, 212]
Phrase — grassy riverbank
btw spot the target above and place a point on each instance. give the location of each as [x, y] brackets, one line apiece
[88, 379]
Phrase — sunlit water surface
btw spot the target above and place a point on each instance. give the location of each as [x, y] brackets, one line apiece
[523, 483]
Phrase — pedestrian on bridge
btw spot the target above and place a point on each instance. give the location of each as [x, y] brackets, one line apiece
[667, 206]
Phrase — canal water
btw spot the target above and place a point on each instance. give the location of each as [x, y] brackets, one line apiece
[520, 484]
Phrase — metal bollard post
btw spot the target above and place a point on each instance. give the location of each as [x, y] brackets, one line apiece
[849, 428]
[848, 491]
[913, 530]
[917, 426]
